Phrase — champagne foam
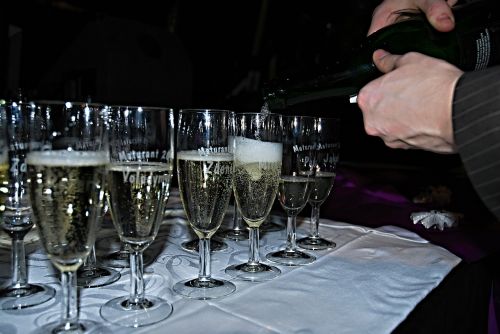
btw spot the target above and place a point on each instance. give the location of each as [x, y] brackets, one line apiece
[67, 158]
[195, 156]
[251, 150]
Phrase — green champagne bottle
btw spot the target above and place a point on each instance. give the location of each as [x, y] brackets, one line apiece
[474, 44]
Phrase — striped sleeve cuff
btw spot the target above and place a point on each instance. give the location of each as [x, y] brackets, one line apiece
[476, 125]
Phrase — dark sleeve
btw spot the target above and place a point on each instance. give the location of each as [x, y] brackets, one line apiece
[476, 126]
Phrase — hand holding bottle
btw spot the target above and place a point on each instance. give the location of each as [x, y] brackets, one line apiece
[438, 13]
[410, 106]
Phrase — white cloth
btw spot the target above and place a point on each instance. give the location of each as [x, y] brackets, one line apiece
[369, 283]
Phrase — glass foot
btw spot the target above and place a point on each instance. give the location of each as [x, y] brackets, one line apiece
[81, 326]
[33, 294]
[315, 243]
[257, 272]
[197, 289]
[290, 257]
[215, 246]
[96, 277]
[121, 259]
[272, 224]
[234, 234]
[120, 311]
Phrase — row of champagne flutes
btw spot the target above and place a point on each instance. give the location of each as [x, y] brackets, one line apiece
[69, 164]
[60, 159]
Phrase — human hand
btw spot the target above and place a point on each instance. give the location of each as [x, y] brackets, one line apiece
[410, 106]
[438, 13]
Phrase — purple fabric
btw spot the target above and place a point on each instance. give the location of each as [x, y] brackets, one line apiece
[360, 199]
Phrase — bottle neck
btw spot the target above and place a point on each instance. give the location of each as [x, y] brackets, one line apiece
[329, 85]
[474, 44]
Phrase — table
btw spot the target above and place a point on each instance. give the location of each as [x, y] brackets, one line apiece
[369, 283]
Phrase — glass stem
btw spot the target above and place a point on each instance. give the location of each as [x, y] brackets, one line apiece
[91, 260]
[236, 219]
[123, 253]
[291, 235]
[315, 221]
[137, 284]
[69, 302]
[18, 262]
[204, 250]
[254, 258]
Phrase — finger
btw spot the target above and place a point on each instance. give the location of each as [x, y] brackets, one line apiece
[385, 61]
[381, 18]
[397, 144]
[439, 14]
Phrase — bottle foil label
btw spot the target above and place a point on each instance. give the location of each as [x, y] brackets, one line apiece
[483, 50]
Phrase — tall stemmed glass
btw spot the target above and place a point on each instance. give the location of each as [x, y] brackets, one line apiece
[205, 175]
[16, 216]
[92, 275]
[327, 156]
[66, 168]
[296, 182]
[257, 161]
[237, 231]
[138, 182]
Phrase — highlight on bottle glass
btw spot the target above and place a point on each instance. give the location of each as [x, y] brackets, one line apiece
[66, 167]
[205, 175]
[141, 152]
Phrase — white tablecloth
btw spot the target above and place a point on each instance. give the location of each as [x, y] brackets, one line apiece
[369, 283]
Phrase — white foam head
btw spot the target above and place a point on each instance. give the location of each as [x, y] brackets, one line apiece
[67, 158]
[251, 150]
[196, 156]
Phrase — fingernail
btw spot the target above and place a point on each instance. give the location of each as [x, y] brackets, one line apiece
[446, 17]
[379, 54]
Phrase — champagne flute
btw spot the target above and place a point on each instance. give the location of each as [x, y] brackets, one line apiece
[296, 182]
[327, 156]
[93, 275]
[15, 207]
[205, 174]
[238, 231]
[138, 182]
[66, 167]
[257, 160]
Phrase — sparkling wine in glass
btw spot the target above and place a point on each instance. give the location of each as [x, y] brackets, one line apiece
[257, 170]
[205, 175]
[15, 209]
[138, 182]
[327, 156]
[66, 168]
[296, 182]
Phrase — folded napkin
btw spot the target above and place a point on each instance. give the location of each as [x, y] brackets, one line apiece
[436, 219]
[366, 285]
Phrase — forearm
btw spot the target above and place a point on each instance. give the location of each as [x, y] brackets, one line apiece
[476, 127]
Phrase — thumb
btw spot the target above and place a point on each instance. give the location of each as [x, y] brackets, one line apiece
[385, 61]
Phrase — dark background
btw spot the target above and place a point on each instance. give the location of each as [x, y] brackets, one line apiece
[185, 53]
